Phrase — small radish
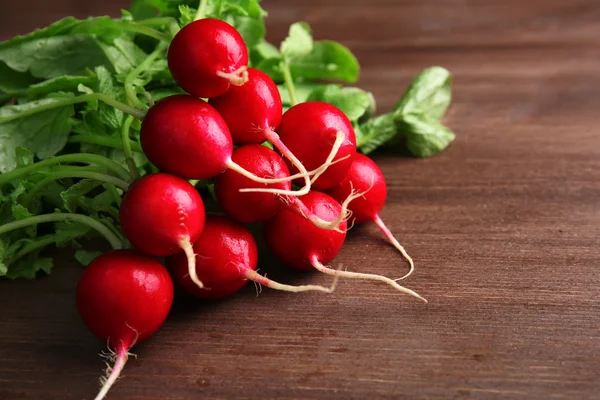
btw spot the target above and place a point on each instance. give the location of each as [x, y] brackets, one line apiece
[123, 297]
[308, 130]
[253, 113]
[162, 214]
[187, 137]
[301, 245]
[365, 176]
[208, 57]
[232, 189]
[226, 258]
[251, 208]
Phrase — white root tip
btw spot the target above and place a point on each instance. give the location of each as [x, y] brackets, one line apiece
[339, 140]
[112, 374]
[390, 237]
[273, 137]
[188, 249]
[264, 281]
[237, 77]
[356, 275]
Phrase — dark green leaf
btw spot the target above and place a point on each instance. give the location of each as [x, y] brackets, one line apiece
[13, 82]
[76, 192]
[23, 156]
[375, 133]
[85, 257]
[29, 268]
[65, 83]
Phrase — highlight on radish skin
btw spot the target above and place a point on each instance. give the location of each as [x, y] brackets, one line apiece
[364, 174]
[123, 297]
[300, 244]
[162, 214]
[199, 144]
[253, 112]
[226, 258]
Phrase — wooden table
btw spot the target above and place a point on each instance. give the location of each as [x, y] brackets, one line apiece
[504, 228]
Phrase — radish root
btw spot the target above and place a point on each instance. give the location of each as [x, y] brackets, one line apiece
[237, 77]
[356, 275]
[264, 281]
[112, 372]
[390, 237]
[187, 247]
[317, 172]
[273, 137]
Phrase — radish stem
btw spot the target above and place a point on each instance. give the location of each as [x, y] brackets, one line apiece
[273, 137]
[106, 141]
[237, 77]
[114, 241]
[135, 175]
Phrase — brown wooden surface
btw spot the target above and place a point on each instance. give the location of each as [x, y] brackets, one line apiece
[504, 228]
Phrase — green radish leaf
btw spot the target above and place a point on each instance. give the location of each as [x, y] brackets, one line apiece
[85, 257]
[425, 137]
[429, 94]
[354, 102]
[64, 83]
[76, 192]
[375, 133]
[23, 157]
[327, 60]
[299, 42]
[14, 83]
[43, 133]
[29, 268]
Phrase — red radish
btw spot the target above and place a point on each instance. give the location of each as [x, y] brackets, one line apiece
[231, 188]
[365, 176]
[253, 113]
[187, 137]
[226, 258]
[251, 207]
[208, 57]
[309, 130]
[162, 214]
[302, 245]
[123, 297]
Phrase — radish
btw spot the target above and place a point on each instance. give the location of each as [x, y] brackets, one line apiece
[253, 113]
[187, 137]
[162, 214]
[123, 297]
[364, 175]
[308, 130]
[226, 258]
[301, 245]
[208, 57]
[232, 189]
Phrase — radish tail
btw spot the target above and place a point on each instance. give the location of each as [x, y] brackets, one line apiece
[298, 206]
[339, 140]
[237, 77]
[396, 244]
[113, 372]
[263, 280]
[273, 137]
[187, 247]
[355, 275]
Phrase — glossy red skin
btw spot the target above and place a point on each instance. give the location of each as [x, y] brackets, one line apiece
[294, 239]
[308, 130]
[223, 251]
[158, 210]
[123, 297]
[187, 137]
[252, 207]
[250, 109]
[362, 173]
[202, 48]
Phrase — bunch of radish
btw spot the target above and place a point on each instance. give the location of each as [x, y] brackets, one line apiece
[306, 192]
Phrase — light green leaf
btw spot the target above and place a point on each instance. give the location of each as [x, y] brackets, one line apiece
[299, 42]
[375, 133]
[64, 83]
[74, 193]
[354, 102]
[327, 60]
[425, 137]
[43, 133]
[429, 94]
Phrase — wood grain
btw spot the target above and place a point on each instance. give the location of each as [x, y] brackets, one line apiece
[504, 228]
